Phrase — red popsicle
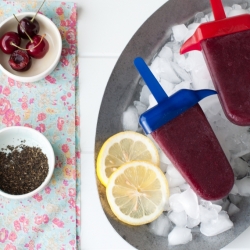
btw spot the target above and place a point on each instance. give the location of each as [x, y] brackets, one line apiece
[225, 46]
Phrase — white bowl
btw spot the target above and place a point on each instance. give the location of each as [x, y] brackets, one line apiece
[40, 67]
[16, 135]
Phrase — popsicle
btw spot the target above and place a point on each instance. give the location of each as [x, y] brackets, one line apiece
[179, 126]
[225, 46]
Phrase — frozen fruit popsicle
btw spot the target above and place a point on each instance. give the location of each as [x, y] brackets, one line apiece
[182, 131]
[225, 46]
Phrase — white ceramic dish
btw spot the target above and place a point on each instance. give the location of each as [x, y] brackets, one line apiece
[16, 135]
[40, 67]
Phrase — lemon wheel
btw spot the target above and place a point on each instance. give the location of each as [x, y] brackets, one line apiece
[122, 148]
[137, 192]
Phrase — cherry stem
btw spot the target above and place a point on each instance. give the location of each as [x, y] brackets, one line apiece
[23, 29]
[13, 44]
[37, 11]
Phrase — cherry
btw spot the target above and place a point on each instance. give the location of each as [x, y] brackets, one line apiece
[38, 48]
[28, 25]
[20, 60]
[7, 41]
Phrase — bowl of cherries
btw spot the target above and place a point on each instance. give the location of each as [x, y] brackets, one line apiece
[30, 46]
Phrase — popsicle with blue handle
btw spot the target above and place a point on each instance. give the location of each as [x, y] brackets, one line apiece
[179, 126]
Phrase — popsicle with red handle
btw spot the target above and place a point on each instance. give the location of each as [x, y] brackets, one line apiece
[225, 46]
[182, 131]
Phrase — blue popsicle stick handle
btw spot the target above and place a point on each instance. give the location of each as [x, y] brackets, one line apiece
[152, 83]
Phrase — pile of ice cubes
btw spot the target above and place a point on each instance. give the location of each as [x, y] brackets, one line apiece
[186, 212]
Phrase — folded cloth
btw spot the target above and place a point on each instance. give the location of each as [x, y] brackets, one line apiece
[51, 218]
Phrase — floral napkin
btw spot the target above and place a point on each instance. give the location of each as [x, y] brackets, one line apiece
[51, 218]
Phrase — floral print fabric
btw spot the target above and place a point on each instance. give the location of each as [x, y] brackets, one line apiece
[51, 218]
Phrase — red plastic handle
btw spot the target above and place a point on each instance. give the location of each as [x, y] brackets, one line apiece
[218, 9]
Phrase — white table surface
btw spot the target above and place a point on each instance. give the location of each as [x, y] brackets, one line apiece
[104, 29]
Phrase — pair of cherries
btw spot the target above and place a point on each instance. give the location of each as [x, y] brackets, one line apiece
[37, 47]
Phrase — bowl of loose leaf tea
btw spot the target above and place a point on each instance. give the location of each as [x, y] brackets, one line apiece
[27, 162]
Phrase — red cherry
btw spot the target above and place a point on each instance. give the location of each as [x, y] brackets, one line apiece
[38, 48]
[20, 60]
[28, 25]
[7, 40]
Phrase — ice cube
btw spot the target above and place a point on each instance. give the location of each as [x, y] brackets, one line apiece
[167, 86]
[236, 7]
[144, 95]
[225, 204]
[130, 119]
[180, 60]
[167, 73]
[240, 168]
[208, 214]
[198, 16]
[179, 32]
[181, 73]
[194, 59]
[189, 201]
[217, 208]
[234, 190]
[152, 101]
[184, 186]
[178, 218]
[236, 12]
[173, 172]
[141, 108]
[227, 10]
[194, 25]
[218, 202]
[179, 235]
[174, 190]
[174, 202]
[235, 199]
[232, 209]
[164, 158]
[201, 78]
[215, 227]
[243, 186]
[174, 45]
[161, 226]
[166, 53]
[182, 85]
[163, 166]
[191, 223]
[174, 177]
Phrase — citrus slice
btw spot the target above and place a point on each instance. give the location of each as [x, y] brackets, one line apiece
[137, 192]
[121, 148]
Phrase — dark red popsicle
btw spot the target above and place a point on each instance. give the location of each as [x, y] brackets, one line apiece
[225, 46]
[228, 60]
[190, 143]
[179, 126]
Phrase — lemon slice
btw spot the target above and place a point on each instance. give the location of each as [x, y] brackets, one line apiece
[137, 192]
[121, 148]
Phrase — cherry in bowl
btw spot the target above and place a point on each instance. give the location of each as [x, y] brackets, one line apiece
[9, 41]
[28, 25]
[38, 47]
[20, 60]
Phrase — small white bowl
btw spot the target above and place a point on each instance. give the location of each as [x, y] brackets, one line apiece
[16, 135]
[40, 68]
